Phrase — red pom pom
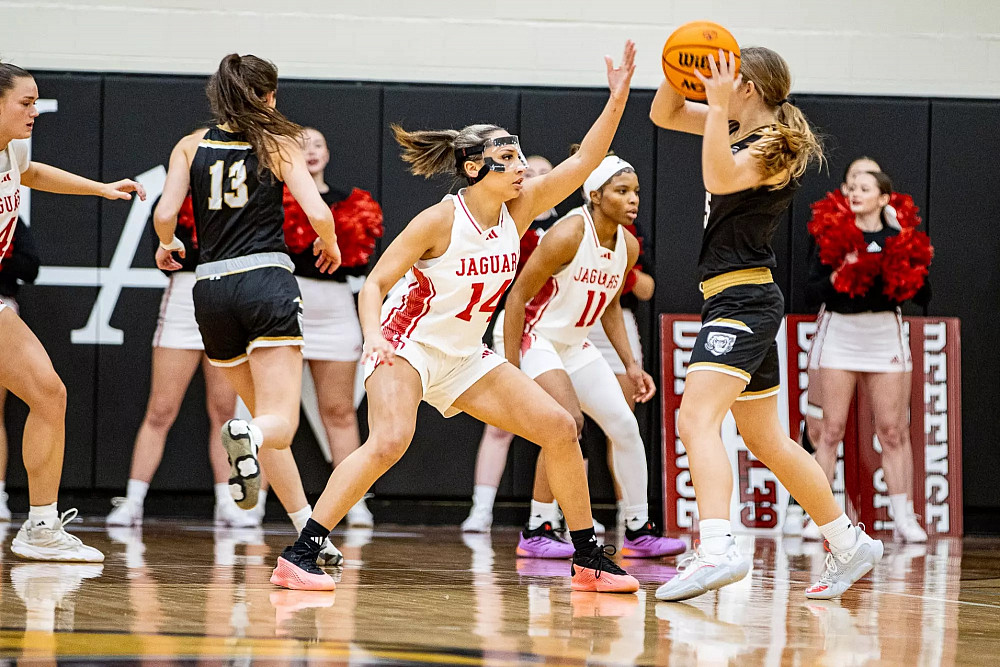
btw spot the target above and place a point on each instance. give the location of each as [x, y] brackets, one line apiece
[185, 218]
[905, 261]
[907, 213]
[299, 234]
[833, 227]
[856, 278]
[359, 225]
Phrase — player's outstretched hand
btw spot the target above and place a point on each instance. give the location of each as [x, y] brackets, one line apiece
[620, 78]
[121, 189]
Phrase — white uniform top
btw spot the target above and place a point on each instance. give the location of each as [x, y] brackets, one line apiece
[447, 302]
[573, 299]
[13, 160]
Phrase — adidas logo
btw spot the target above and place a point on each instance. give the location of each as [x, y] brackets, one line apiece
[874, 247]
[606, 254]
[317, 540]
[492, 234]
[6, 178]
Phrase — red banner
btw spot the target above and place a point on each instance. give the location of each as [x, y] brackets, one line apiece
[859, 483]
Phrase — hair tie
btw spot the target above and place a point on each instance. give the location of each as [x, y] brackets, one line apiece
[787, 100]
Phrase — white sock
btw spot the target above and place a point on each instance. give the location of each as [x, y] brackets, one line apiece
[542, 512]
[136, 491]
[262, 497]
[256, 435]
[3, 486]
[43, 514]
[300, 517]
[840, 533]
[716, 536]
[637, 516]
[221, 493]
[482, 497]
[897, 502]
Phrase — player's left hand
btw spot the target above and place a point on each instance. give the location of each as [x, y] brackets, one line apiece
[620, 78]
[328, 257]
[121, 189]
[165, 255]
[645, 388]
[724, 80]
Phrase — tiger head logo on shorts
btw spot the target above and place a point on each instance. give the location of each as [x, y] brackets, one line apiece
[720, 343]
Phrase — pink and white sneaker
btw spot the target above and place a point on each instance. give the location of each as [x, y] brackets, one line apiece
[597, 573]
[299, 572]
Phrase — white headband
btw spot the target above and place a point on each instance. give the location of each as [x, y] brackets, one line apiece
[609, 166]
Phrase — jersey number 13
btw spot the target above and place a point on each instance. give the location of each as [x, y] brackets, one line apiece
[236, 197]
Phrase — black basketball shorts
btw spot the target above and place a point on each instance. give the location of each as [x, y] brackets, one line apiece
[737, 337]
[238, 312]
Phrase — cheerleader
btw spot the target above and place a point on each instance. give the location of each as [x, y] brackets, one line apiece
[575, 278]
[860, 337]
[750, 178]
[491, 458]
[425, 342]
[330, 324]
[26, 370]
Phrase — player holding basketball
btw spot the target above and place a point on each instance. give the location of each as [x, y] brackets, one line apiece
[574, 279]
[246, 300]
[750, 178]
[26, 370]
[459, 256]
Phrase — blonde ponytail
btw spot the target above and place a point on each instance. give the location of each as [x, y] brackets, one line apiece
[432, 152]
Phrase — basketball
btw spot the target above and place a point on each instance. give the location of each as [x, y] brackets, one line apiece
[688, 49]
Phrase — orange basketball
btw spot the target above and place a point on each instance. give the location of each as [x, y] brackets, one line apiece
[689, 48]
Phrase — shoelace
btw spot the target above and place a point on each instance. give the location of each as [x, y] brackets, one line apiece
[64, 520]
[603, 555]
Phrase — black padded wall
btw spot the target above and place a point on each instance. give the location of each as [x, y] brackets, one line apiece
[112, 126]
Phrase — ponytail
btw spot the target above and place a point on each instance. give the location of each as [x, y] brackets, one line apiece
[237, 93]
[432, 152]
[788, 146]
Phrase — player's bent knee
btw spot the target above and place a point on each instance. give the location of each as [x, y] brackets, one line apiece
[339, 414]
[47, 392]
[892, 436]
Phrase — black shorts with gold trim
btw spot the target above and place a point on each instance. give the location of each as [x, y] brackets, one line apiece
[259, 307]
[737, 337]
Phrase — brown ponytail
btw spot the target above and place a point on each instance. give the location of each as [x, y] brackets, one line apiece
[431, 152]
[790, 145]
[236, 93]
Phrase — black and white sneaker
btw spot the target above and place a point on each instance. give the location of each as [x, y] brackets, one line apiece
[244, 468]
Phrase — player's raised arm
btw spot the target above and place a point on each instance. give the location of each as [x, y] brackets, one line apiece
[542, 193]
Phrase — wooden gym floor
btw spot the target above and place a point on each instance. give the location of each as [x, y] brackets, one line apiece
[190, 594]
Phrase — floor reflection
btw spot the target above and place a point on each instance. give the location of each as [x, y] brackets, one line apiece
[432, 595]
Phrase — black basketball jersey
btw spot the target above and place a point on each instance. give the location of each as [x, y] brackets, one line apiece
[739, 226]
[237, 211]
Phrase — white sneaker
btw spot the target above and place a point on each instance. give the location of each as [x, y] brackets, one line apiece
[845, 567]
[45, 542]
[598, 527]
[125, 513]
[4, 510]
[359, 516]
[811, 532]
[228, 514]
[480, 520]
[701, 572]
[909, 530]
[329, 555]
[794, 519]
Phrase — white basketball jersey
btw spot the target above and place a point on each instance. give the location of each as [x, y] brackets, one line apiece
[447, 302]
[573, 300]
[10, 200]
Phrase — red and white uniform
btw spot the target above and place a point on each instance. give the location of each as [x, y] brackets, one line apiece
[559, 318]
[437, 315]
[13, 161]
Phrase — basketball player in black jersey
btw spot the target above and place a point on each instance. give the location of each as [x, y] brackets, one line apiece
[247, 302]
[750, 177]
